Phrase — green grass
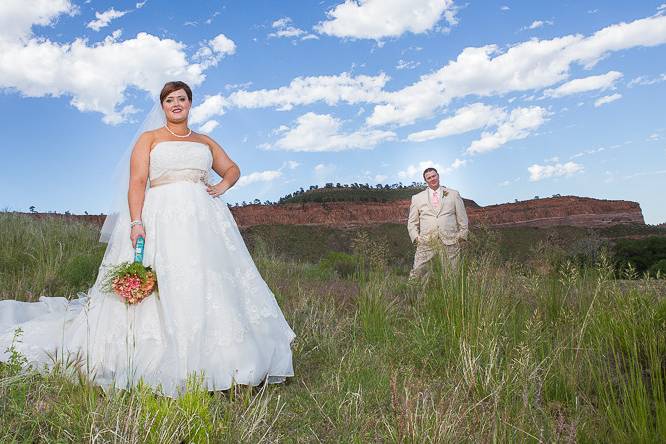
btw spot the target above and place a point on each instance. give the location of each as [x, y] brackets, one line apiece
[49, 256]
[495, 353]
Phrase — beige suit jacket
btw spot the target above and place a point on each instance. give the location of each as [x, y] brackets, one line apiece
[449, 223]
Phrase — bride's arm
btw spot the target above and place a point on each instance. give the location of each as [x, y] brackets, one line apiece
[224, 166]
[139, 164]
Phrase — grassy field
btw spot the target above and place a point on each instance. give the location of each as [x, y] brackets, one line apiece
[524, 245]
[496, 352]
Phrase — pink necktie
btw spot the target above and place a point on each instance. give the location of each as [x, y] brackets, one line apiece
[435, 199]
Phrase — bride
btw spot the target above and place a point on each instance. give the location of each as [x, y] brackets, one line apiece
[213, 317]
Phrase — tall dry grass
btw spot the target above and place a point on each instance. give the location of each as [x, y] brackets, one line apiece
[490, 353]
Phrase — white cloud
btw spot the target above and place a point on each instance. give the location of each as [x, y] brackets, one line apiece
[403, 64]
[321, 132]
[506, 183]
[104, 18]
[323, 169]
[606, 99]
[300, 91]
[646, 80]
[591, 83]
[504, 8]
[530, 65]
[519, 124]
[292, 164]
[209, 126]
[211, 106]
[284, 29]
[258, 176]
[467, 118]
[415, 172]
[589, 152]
[378, 19]
[483, 72]
[18, 16]
[380, 178]
[537, 24]
[232, 86]
[645, 173]
[308, 90]
[95, 77]
[212, 51]
[650, 31]
[223, 45]
[140, 5]
[115, 35]
[540, 172]
[456, 164]
[209, 20]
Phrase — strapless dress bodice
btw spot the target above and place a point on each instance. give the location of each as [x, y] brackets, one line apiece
[170, 157]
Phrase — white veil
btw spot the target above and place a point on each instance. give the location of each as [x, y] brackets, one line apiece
[119, 207]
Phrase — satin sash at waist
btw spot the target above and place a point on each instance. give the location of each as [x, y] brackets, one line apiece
[184, 175]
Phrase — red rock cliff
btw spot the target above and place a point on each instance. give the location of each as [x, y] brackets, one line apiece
[567, 210]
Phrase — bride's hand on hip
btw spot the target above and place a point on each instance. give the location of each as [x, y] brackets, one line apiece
[217, 190]
[137, 232]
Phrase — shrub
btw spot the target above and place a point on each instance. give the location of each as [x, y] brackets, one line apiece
[658, 269]
[371, 251]
[642, 254]
[80, 271]
[587, 251]
[343, 264]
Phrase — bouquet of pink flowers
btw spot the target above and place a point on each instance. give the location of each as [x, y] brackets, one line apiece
[132, 281]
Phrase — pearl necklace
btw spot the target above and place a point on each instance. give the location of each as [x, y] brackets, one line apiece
[177, 135]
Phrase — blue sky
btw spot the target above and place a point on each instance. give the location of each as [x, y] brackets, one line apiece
[510, 100]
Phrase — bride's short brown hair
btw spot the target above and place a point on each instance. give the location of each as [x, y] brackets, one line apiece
[170, 87]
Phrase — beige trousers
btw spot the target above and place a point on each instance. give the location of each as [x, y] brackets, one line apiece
[426, 251]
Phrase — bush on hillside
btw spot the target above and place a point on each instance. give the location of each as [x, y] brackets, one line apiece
[658, 269]
[588, 251]
[641, 254]
[342, 264]
[371, 251]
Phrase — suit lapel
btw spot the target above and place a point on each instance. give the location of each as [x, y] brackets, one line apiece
[427, 198]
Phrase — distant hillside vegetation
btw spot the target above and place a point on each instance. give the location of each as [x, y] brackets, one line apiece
[358, 192]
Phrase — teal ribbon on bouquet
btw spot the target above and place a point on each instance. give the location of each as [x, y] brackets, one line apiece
[138, 250]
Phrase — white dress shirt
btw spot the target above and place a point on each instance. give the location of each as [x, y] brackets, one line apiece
[431, 194]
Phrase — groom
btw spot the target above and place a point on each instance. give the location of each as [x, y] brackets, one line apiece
[437, 222]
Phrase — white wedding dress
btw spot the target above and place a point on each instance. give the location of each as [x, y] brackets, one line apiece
[214, 317]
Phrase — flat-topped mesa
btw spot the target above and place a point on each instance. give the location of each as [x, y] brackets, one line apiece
[545, 212]
[566, 210]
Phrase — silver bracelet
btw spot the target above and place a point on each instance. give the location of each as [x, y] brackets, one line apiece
[136, 222]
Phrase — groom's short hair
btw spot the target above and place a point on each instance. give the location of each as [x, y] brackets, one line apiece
[427, 170]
